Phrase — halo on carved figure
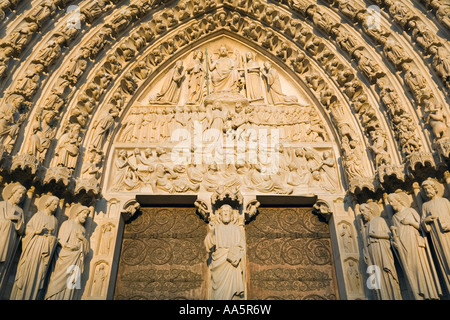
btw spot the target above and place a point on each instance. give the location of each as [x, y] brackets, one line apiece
[437, 186]
[42, 203]
[373, 207]
[76, 209]
[9, 190]
[403, 198]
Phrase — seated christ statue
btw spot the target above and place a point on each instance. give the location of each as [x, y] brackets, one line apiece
[224, 73]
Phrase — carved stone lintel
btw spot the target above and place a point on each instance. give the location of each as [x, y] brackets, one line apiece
[392, 170]
[322, 208]
[129, 209]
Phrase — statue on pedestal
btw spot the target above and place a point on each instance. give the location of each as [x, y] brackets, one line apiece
[37, 250]
[411, 248]
[11, 224]
[68, 262]
[436, 222]
[226, 244]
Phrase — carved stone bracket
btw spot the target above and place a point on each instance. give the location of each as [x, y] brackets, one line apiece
[322, 208]
[59, 175]
[129, 209]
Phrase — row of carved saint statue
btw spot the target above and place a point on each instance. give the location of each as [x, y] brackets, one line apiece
[420, 243]
[52, 260]
[227, 72]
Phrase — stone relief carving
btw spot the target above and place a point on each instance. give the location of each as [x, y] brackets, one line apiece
[37, 250]
[12, 225]
[412, 249]
[435, 221]
[353, 277]
[70, 252]
[406, 136]
[347, 237]
[377, 252]
[226, 244]
[98, 286]
[106, 239]
[304, 167]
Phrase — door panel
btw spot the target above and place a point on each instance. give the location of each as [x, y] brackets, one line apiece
[289, 256]
[163, 256]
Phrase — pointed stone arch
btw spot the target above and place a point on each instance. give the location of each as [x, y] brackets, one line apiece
[396, 104]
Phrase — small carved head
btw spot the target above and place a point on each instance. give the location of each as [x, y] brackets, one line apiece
[226, 214]
[16, 195]
[369, 210]
[430, 188]
[223, 51]
[398, 201]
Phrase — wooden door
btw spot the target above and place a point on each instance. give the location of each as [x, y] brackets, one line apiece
[289, 256]
[163, 256]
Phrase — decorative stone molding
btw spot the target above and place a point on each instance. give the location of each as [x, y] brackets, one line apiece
[129, 209]
[322, 208]
[74, 111]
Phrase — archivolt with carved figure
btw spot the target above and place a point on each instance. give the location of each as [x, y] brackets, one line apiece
[267, 107]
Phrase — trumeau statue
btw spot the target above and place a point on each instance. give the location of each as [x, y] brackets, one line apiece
[12, 224]
[378, 253]
[68, 260]
[436, 222]
[37, 249]
[226, 244]
[412, 249]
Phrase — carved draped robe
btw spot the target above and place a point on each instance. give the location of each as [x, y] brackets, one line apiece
[67, 261]
[195, 86]
[380, 254]
[9, 234]
[224, 76]
[68, 150]
[274, 91]
[254, 91]
[37, 251]
[412, 247]
[171, 89]
[227, 280]
[439, 231]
